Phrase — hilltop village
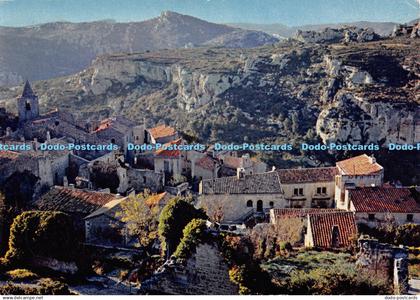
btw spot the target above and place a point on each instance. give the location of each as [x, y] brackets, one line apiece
[191, 222]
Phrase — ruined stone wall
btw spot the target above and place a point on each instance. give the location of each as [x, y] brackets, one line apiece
[141, 179]
[384, 261]
[205, 273]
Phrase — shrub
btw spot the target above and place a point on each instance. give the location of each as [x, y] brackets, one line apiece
[173, 218]
[21, 274]
[35, 233]
[194, 233]
[408, 235]
[14, 289]
[49, 286]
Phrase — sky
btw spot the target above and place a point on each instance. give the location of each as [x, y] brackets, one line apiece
[288, 12]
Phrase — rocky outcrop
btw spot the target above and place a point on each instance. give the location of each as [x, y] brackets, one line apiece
[333, 35]
[351, 119]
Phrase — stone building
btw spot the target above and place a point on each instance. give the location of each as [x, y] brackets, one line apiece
[358, 171]
[310, 187]
[172, 163]
[75, 202]
[27, 104]
[332, 230]
[207, 167]
[47, 167]
[242, 195]
[374, 205]
[204, 273]
[161, 134]
[229, 164]
[105, 226]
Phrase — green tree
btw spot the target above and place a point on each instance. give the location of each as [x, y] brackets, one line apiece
[36, 233]
[141, 219]
[172, 221]
[194, 233]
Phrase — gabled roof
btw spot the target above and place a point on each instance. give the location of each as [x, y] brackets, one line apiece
[27, 90]
[301, 212]
[71, 200]
[359, 165]
[111, 208]
[118, 123]
[305, 175]
[323, 226]
[155, 199]
[207, 162]
[384, 199]
[161, 131]
[169, 153]
[263, 183]
[6, 156]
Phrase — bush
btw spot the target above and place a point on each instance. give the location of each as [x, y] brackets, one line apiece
[49, 286]
[35, 233]
[408, 235]
[195, 232]
[14, 289]
[21, 274]
[172, 221]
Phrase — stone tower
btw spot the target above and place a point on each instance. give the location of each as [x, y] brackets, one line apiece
[27, 103]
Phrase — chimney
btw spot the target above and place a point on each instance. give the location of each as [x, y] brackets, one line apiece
[65, 181]
[240, 173]
[372, 159]
[71, 186]
[48, 136]
[273, 168]
[8, 131]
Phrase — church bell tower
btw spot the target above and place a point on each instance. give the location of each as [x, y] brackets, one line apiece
[28, 106]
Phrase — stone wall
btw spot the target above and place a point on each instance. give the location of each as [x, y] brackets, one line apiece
[205, 273]
[384, 261]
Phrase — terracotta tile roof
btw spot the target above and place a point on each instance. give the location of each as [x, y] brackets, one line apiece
[71, 200]
[207, 162]
[301, 212]
[107, 209]
[385, 199]
[359, 165]
[264, 183]
[170, 153]
[232, 162]
[323, 226]
[161, 131]
[119, 123]
[8, 155]
[155, 199]
[307, 175]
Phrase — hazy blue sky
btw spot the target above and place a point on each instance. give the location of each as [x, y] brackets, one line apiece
[289, 12]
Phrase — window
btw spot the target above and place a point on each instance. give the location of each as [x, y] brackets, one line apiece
[27, 105]
[371, 217]
[298, 192]
[321, 190]
[249, 203]
[271, 204]
[410, 218]
[144, 179]
[112, 141]
[56, 123]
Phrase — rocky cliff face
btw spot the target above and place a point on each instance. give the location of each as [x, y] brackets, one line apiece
[288, 93]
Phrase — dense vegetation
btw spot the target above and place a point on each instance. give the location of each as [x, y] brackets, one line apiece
[323, 273]
[47, 234]
[172, 221]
